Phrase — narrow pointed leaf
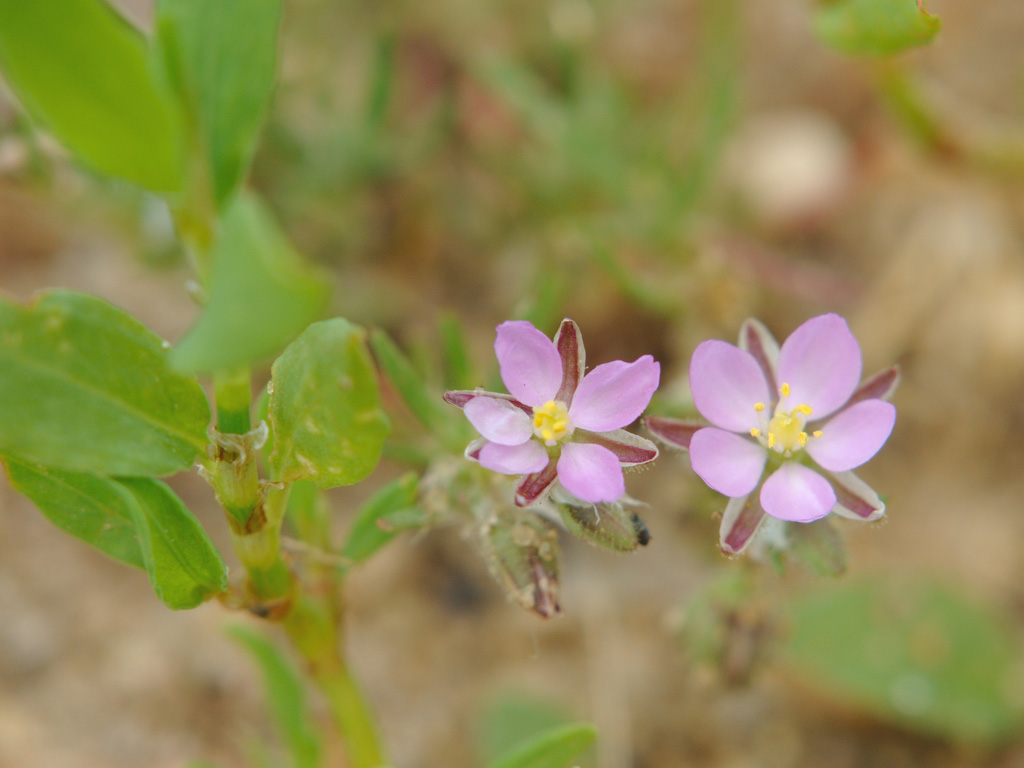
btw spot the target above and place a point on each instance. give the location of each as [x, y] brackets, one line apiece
[262, 294]
[324, 407]
[366, 536]
[555, 748]
[81, 70]
[86, 387]
[90, 507]
[285, 695]
[224, 54]
[875, 26]
[184, 567]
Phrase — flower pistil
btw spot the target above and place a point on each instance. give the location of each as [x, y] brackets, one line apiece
[551, 422]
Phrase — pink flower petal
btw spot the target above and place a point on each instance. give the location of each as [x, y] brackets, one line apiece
[514, 459]
[821, 363]
[530, 364]
[499, 420]
[569, 342]
[591, 472]
[614, 394]
[740, 521]
[855, 499]
[853, 436]
[759, 342]
[729, 463]
[794, 492]
[726, 383]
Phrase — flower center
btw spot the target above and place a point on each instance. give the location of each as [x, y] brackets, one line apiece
[784, 432]
[551, 422]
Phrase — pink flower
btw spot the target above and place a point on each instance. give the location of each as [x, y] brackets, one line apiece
[794, 416]
[559, 424]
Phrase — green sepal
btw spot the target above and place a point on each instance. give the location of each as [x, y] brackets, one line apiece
[325, 408]
[82, 70]
[87, 388]
[261, 294]
[878, 27]
[521, 551]
[611, 526]
[819, 546]
[286, 696]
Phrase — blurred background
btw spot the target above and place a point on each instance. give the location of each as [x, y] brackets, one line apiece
[659, 170]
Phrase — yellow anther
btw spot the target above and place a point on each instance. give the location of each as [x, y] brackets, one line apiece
[755, 432]
[758, 407]
[802, 439]
[804, 409]
[784, 390]
[551, 422]
[771, 439]
[817, 433]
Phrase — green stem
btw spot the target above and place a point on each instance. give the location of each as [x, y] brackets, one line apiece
[233, 392]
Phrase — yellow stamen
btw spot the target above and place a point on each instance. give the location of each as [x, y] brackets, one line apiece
[551, 422]
[758, 407]
[784, 390]
[755, 432]
[771, 439]
[802, 439]
[817, 433]
[804, 409]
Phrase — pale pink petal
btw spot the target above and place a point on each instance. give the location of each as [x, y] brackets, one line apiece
[591, 472]
[614, 394]
[855, 499]
[569, 342]
[853, 436]
[535, 485]
[499, 420]
[759, 342]
[740, 521]
[530, 364]
[729, 463]
[514, 459]
[797, 493]
[631, 450]
[726, 383]
[675, 433]
[821, 362]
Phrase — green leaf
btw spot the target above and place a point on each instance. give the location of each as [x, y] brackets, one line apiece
[286, 696]
[81, 69]
[428, 406]
[184, 567]
[916, 653]
[877, 27]
[222, 55]
[457, 371]
[324, 408]
[90, 507]
[366, 536]
[554, 748]
[262, 294]
[88, 388]
[513, 719]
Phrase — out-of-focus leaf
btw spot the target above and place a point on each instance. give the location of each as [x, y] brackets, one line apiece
[514, 719]
[90, 507]
[819, 546]
[366, 536]
[916, 653]
[225, 52]
[86, 387]
[81, 70]
[457, 370]
[184, 567]
[286, 696]
[426, 405]
[324, 407]
[555, 748]
[875, 26]
[262, 294]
